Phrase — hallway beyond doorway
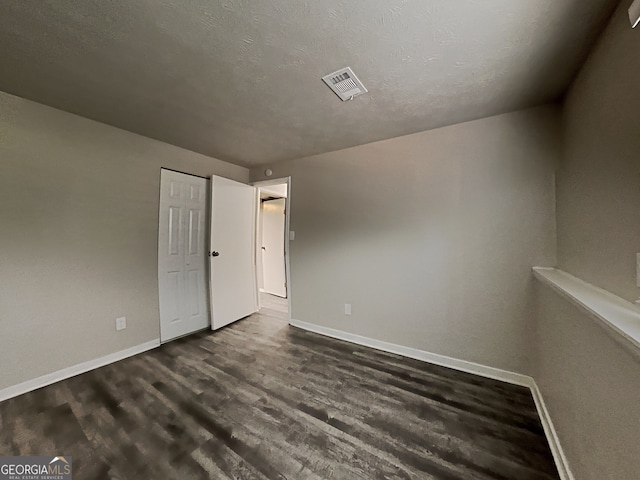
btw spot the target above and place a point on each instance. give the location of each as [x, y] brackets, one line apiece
[273, 305]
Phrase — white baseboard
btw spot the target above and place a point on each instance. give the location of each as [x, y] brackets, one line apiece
[442, 360]
[74, 370]
[552, 436]
[463, 366]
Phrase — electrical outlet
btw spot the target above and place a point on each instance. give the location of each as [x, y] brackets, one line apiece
[121, 323]
[347, 309]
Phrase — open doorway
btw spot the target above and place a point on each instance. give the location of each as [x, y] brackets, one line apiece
[272, 246]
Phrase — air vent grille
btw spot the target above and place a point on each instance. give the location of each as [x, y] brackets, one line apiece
[344, 83]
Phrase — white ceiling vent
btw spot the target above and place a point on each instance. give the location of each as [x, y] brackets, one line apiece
[345, 84]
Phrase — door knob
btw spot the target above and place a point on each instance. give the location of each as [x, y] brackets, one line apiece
[215, 254]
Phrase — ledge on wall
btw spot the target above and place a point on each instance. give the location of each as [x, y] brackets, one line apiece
[620, 318]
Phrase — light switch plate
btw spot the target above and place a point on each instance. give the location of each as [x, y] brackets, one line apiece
[292, 235]
[121, 323]
[347, 309]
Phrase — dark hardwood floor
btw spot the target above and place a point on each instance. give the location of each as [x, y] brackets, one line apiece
[262, 400]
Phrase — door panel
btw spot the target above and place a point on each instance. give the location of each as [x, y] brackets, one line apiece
[172, 297]
[273, 226]
[196, 255]
[194, 232]
[181, 255]
[193, 287]
[232, 272]
[175, 227]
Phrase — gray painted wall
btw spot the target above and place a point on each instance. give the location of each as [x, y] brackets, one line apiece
[431, 236]
[79, 236]
[599, 179]
[591, 389]
[589, 382]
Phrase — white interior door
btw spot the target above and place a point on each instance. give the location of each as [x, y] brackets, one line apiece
[273, 229]
[182, 254]
[232, 265]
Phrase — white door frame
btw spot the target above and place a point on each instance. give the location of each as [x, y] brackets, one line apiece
[287, 216]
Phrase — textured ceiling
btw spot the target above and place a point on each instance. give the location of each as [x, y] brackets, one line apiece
[240, 80]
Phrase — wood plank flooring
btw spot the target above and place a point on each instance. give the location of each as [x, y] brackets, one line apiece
[263, 400]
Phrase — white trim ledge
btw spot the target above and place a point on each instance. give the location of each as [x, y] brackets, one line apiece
[74, 370]
[464, 366]
[620, 318]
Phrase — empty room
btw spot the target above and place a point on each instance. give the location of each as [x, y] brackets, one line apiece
[385, 239]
